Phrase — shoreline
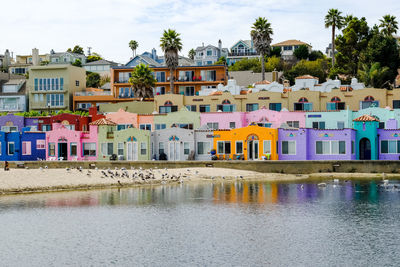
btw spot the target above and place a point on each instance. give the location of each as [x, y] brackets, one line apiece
[21, 181]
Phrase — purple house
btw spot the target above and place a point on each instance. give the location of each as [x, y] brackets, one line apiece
[315, 144]
[389, 141]
[14, 123]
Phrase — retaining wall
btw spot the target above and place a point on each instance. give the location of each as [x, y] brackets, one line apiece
[291, 167]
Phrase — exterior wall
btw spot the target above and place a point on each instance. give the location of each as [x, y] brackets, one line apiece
[274, 117]
[69, 73]
[203, 136]
[20, 103]
[36, 152]
[80, 123]
[301, 138]
[146, 119]
[173, 138]
[105, 134]
[224, 119]
[60, 134]
[5, 138]
[144, 107]
[331, 119]
[264, 99]
[367, 130]
[182, 116]
[347, 135]
[125, 136]
[243, 134]
[12, 120]
[393, 134]
[123, 117]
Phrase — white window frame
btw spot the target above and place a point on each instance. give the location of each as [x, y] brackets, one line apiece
[8, 148]
[236, 142]
[289, 141]
[331, 142]
[389, 140]
[270, 148]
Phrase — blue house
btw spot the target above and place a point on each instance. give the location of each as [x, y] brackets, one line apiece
[33, 145]
[10, 144]
[25, 146]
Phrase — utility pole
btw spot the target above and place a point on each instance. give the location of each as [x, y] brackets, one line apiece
[89, 48]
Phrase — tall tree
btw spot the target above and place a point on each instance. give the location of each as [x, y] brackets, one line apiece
[77, 49]
[261, 34]
[133, 45]
[375, 76]
[93, 80]
[301, 52]
[335, 20]
[191, 53]
[171, 44]
[350, 44]
[389, 25]
[142, 81]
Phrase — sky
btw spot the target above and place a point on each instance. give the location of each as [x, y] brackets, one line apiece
[108, 25]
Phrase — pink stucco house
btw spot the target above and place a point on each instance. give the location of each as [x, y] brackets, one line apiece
[66, 144]
[274, 119]
[223, 120]
[125, 119]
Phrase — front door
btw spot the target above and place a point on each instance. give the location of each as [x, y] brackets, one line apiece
[174, 151]
[365, 149]
[252, 149]
[62, 151]
[131, 151]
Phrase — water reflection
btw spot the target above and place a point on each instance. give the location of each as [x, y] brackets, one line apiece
[218, 193]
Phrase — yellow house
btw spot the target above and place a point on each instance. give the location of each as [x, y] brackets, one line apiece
[249, 143]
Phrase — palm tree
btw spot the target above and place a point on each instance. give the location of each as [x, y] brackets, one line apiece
[133, 45]
[335, 20]
[388, 25]
[375, 75]
[192, 53]
[171, 44]
[261, 35]
[142, 81]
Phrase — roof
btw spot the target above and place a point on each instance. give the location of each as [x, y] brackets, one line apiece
[103, 121]
[290, 42]
[306, 77]
[366, 117]
[15, 82]
[263, 82]
[101, 62]
[216, 93]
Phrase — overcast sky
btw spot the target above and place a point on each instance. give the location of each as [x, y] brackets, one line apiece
[108, 25]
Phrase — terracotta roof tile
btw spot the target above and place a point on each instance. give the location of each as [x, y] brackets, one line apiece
[103, 121]
[306, 77]
[366, 117]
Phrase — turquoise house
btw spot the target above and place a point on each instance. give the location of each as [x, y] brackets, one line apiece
[367, 138]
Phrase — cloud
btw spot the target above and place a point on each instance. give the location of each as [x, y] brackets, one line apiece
[107, 26]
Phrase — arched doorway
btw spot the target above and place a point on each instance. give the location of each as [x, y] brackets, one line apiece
[365, 149]
[252, 147]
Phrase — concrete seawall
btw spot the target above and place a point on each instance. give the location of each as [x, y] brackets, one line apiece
[287, 167]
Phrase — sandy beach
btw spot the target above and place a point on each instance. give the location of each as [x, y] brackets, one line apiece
[44, 180]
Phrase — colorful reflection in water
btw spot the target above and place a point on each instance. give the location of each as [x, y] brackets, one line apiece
[218, 193]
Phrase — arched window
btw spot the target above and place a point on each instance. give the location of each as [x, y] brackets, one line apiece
[303, 100]
[335, 99]
[168, 103]
[369, 98]
[226, 102]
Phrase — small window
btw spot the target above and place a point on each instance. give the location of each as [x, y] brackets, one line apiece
[52, 149]
[89, 149]
[161, 148]
[143, 148]
[232, 125]
[203, 148]
[186, 148]
[26, 148]
[213, 125]
[223, 147]
[239, 147]
[77, 83]
[107, 149]
[340, 125]
[267, 147]
[74, 149]
[289, 147]
[120, 149]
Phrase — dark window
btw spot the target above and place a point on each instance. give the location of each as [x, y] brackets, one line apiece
[251, 107]
[396, 103]
[275, 106]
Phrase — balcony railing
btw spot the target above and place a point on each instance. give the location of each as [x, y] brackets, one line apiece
[197, 79]
[242, 54]
[92, 93]
[110, 135]
[121, 81]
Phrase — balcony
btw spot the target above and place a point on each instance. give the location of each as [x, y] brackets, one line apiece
[242, 54]
[198, 79]
[110, 135]
[121, 81]
[93, 93]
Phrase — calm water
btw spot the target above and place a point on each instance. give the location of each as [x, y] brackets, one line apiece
[220, 224]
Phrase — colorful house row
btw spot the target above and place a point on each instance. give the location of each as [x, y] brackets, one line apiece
[15, 123]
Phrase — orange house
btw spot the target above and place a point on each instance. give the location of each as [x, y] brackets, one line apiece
[248, 143]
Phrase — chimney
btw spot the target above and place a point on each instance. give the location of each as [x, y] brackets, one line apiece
[274, 76]
[7, 60]
[154, 54]
[219, 48]
[35, 56]
[203, 44]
